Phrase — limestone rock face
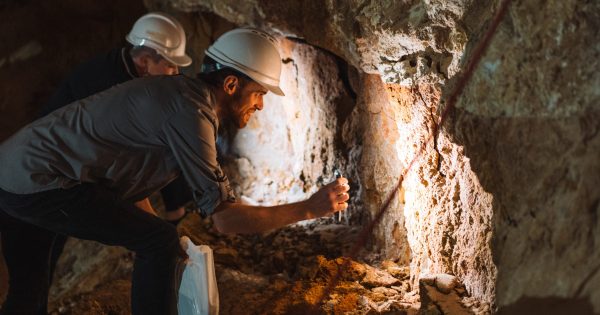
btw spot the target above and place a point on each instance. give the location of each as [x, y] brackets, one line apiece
[400, 38]
[529, 121]
[373, 134]
[506, 197]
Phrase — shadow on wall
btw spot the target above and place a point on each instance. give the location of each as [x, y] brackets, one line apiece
[42, 41]
[545, 204]
[548, 306]
[529, 125]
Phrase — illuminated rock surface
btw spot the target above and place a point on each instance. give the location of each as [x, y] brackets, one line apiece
[506, 199]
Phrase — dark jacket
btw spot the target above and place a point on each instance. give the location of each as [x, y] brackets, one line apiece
[93, 76]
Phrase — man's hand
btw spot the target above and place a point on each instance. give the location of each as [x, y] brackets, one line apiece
[330, 199]
[234, 218]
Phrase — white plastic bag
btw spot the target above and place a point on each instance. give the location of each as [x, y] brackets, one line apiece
[198, 294]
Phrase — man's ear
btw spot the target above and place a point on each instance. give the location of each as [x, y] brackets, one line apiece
[141, 63]
[230, 84]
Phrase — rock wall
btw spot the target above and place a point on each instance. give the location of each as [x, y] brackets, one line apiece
[529, 121]
[413, 48]
[505, 198]
[374, 134]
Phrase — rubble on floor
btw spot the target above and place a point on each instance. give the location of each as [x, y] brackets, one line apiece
[286, 272]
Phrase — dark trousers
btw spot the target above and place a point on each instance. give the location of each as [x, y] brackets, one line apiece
[176, 194]
[31, 224]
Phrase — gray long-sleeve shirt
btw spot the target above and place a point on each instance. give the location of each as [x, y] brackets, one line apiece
[133, 138]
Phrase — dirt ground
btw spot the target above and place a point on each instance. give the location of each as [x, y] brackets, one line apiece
[282, 272]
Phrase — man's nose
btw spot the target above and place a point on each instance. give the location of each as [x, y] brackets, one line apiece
[259, 104]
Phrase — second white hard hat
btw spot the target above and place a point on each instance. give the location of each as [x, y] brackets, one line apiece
[164, 34]
[253, 53]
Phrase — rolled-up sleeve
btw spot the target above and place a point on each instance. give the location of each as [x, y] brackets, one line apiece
[191, 136]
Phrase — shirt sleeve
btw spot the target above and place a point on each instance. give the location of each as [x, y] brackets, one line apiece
[191, 137]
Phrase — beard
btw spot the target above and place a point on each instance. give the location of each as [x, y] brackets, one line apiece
[237, 117]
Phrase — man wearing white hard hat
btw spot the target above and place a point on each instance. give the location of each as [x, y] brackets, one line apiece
[156, 46]
[157, 43]
[78, 170]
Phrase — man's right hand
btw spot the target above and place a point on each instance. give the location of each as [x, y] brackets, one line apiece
[232, 218]
[330, 199]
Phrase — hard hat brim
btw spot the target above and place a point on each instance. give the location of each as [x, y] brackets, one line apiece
[181, 61]
[275, 89]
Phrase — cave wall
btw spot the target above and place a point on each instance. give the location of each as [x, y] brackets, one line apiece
[529, 121]
[397, 59]
[506, 197]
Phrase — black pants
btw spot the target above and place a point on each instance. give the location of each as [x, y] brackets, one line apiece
[31, 223]
[176, 194]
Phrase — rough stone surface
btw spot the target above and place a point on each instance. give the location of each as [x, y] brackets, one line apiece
[447, 212]
[506, 198]
[529, 122]
[513, 169]
[442, 294]
[398, 38]
[372, 133]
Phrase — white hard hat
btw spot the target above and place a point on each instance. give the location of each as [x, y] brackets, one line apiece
[164, 34]
[253, 53]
